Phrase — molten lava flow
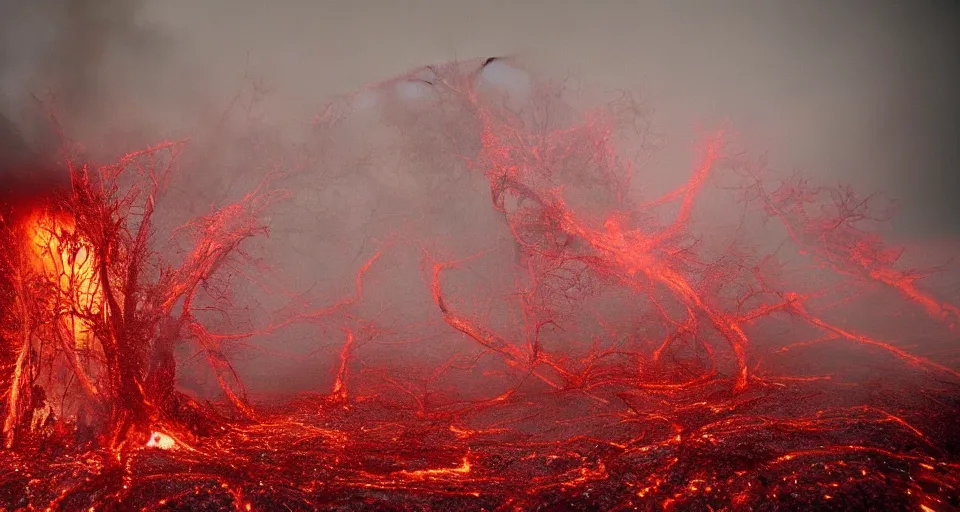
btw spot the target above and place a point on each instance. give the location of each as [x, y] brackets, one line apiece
[67, 261]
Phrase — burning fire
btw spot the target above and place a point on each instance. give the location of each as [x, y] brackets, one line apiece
[67, 261]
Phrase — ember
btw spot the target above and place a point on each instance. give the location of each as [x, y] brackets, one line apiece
[642, 350]
[161, 441]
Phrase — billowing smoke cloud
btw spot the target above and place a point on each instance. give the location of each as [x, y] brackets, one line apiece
[57, 57]
[862, 92]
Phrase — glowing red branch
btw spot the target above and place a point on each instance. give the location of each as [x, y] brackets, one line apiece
[339, 392]
[226, 375]
[798, 309]
[630, 253]
[320, 313]
[691, 189]
[834, 240]
[510, 353]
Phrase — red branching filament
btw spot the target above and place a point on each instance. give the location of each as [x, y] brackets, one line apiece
[645, 354]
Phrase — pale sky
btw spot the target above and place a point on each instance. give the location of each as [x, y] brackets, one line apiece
[856, 90]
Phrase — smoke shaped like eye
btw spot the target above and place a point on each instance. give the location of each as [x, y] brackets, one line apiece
[500, 76]
[415, 91]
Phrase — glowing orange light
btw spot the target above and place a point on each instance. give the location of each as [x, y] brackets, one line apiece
[67, 261]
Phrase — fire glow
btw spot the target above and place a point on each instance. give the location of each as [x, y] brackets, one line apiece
[634, 356]
[67, 261]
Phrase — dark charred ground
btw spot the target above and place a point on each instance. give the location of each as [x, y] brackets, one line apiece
[776, 447]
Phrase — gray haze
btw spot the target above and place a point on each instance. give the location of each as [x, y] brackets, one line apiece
[857, 90]
[854, 91]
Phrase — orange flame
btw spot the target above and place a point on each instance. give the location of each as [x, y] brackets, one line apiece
[67, 261]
